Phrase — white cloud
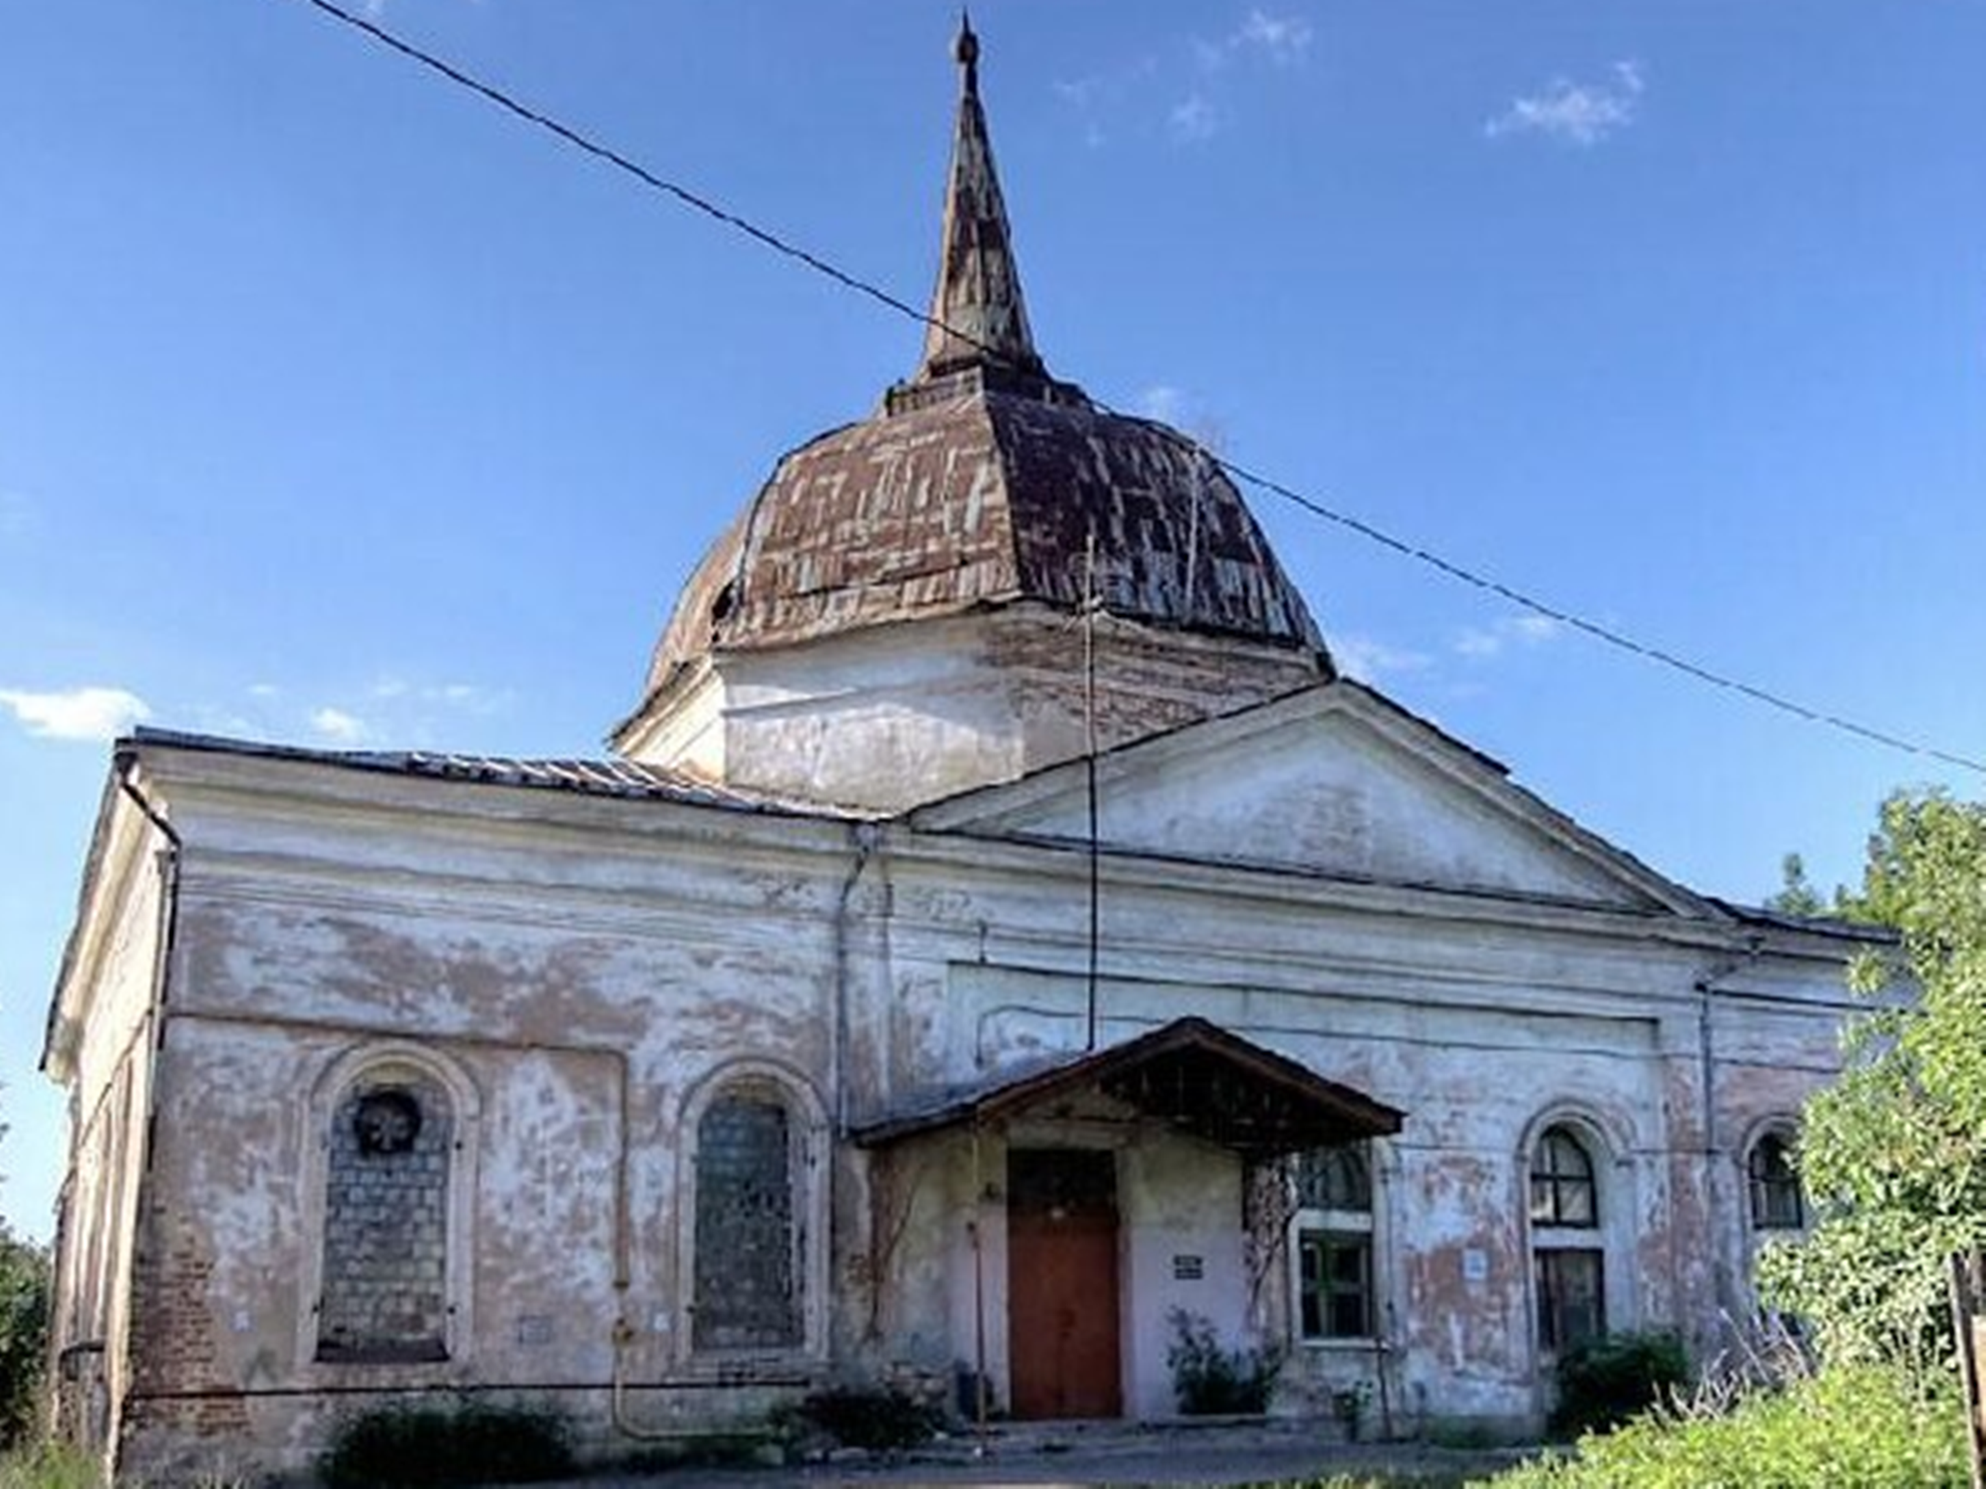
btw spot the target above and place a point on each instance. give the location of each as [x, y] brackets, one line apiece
[211, 720]
[1098, 98]
[1484, 642]
[264, 690]
[1282, 39]
[1184, 412]
[1102, 100]
[1083, 92]
[1366, 659]
[1193, 119]
[1582, 114]
[466, 696]
[400, 708]
[338, 726]
[80, 713]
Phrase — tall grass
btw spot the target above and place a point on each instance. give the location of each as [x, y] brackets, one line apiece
[1848, 1425]
[49, 1466]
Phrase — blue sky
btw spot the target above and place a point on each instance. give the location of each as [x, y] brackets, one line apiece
[337, 408]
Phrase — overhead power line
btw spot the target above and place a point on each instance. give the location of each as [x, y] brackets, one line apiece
[765, 238]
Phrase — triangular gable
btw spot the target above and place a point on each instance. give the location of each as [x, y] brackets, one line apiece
[1333, 780]
[1192, 1075]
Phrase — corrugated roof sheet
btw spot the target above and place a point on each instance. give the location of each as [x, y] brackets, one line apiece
[1818, 925]
[611, 777]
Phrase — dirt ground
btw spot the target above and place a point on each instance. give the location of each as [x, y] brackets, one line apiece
[1256, 1454]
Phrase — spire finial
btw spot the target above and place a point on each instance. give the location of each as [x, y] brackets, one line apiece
[965, 51]
[977, 309]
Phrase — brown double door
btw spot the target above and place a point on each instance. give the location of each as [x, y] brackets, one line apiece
[1062, 1304]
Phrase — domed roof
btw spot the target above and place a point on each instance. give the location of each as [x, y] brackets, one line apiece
[976, 497]
[980, 483]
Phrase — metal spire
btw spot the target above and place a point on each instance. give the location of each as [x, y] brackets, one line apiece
[977, 303]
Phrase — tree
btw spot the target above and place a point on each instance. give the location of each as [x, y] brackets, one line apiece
[24, 1299]
[24, 1289]
[1797, 895]
[1894, 1152]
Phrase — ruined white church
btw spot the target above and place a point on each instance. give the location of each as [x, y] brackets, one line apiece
[997, 932]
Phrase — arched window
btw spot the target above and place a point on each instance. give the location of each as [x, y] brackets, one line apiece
[749, 1243]
[1562, 1189]
[384, 1281]
[1568, 1263]
[1334, 1179]
[1776, 1202]
[1334, 1244]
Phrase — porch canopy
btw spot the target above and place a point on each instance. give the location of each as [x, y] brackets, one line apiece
[1191, 1074]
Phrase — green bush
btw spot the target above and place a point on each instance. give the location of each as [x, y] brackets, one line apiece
[1209, 1380]
[1849, 1425]
[873, 1417]
[23, 1336]
[410, 1447]
[1602, 1382]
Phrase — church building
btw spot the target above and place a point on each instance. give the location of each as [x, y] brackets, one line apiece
[997, 940]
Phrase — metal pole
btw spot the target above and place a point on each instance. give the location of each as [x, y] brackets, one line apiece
[1089, 766]
[1966, 1267]
[978, 1299]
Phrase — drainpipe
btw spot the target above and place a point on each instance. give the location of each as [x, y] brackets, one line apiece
[169, 865]
[864, 838]
[152, 1030]
[168, 935]
[977, 1225]
[1706, 992]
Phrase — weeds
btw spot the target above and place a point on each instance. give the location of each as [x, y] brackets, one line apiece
[49, 1465]
[1850, 1424]
[416, 1447]
[1210, 1380]
[878, 1418]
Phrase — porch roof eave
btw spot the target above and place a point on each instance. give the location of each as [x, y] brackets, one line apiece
[1191, 1073]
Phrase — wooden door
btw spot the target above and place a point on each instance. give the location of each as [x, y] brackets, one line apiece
[1062, 1304]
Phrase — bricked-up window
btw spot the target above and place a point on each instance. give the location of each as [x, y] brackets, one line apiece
[385, 1293]
[1775, 1186]
[747, 1233]
[1334, 1271]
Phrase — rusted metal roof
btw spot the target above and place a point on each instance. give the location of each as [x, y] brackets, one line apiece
[979, 482]
[1816, 925]
[973, 496]
[613, 777]
[1192, 1074]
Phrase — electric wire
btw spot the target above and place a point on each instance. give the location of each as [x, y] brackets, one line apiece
[1461, 573]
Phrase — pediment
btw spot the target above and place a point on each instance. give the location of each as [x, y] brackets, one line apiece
[1335, 780]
